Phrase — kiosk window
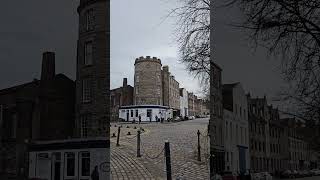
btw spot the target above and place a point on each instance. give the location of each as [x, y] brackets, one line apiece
[70, 164]
[85, 163]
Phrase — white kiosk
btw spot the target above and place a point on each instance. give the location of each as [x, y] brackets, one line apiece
[72, 159]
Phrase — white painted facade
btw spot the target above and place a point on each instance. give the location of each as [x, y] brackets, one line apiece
[69, 159]
[148, 113]
[184, 111]
[236, 133]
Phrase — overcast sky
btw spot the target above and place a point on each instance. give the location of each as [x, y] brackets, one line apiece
[136, 30]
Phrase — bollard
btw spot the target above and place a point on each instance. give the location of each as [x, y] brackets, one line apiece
[168, 160]
[113, 134]
[127, 126]
[138, 144]
[199, 152]
[129, 133]
[118, 137]
[135, 127]
[211, 165]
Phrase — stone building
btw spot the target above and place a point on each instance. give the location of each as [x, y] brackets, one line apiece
[122, 96]
[171, 92]
[297, 150]
[216, 122]
[259, 133]
[192, 104]
[276, 141]
[236, 136]
[93, 69]
[184, 111]
[148, 81]
[38, 110]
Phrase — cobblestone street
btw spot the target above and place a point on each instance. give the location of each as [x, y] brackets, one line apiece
[183, 145]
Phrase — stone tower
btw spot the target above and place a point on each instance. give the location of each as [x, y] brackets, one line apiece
[147, 81]
[93, 69]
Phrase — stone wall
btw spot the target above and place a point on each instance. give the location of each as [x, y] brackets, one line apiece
[148, 81]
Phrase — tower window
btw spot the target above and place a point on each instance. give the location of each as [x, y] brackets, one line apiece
[86, 90]
[88, 50]
[90, 20]
[85, 125]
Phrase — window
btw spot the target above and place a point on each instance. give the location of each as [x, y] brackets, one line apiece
[70, 164]
[14, 126]
[85, 163]
[137, 90]
[137, 78]
[1, 115]
[85, 119]
[149, 112]
[90, 20]
[88, 53]
[86, 90]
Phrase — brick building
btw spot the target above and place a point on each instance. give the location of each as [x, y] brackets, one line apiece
[38, 110]
[93, 69]
[122, 96]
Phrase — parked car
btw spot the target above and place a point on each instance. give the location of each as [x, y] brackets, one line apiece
[315, 172]
[286, 174]
[256, 176]
[227, 175]
[295, 173]
[265, 176]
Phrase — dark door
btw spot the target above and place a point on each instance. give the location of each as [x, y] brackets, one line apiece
[128, 116]
[242, 159]
[57, 167]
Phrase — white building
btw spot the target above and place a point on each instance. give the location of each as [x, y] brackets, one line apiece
[69, 159]
[236, 134]
[148, 113]
[184, 111]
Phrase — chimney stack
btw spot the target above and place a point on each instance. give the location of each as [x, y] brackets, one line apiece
[48, 66]
[125, 82]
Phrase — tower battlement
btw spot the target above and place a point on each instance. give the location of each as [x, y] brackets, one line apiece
[147, 58]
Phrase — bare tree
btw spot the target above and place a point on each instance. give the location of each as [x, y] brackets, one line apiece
[193, 36]
[290, 30]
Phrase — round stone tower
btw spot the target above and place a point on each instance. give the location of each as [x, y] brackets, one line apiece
[147, 81]
[93, 69]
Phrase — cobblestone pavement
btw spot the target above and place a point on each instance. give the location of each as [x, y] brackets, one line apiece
[125, 165]
[183, 146]
[305, 178]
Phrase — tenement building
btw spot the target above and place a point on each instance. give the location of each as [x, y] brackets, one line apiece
[216, 122]
[171, 91]
[258, 133]
[298, 151]
[38, 110]
[235, 115]
[93, 69]
[276, 140]
[122, 96]
[192, 104]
